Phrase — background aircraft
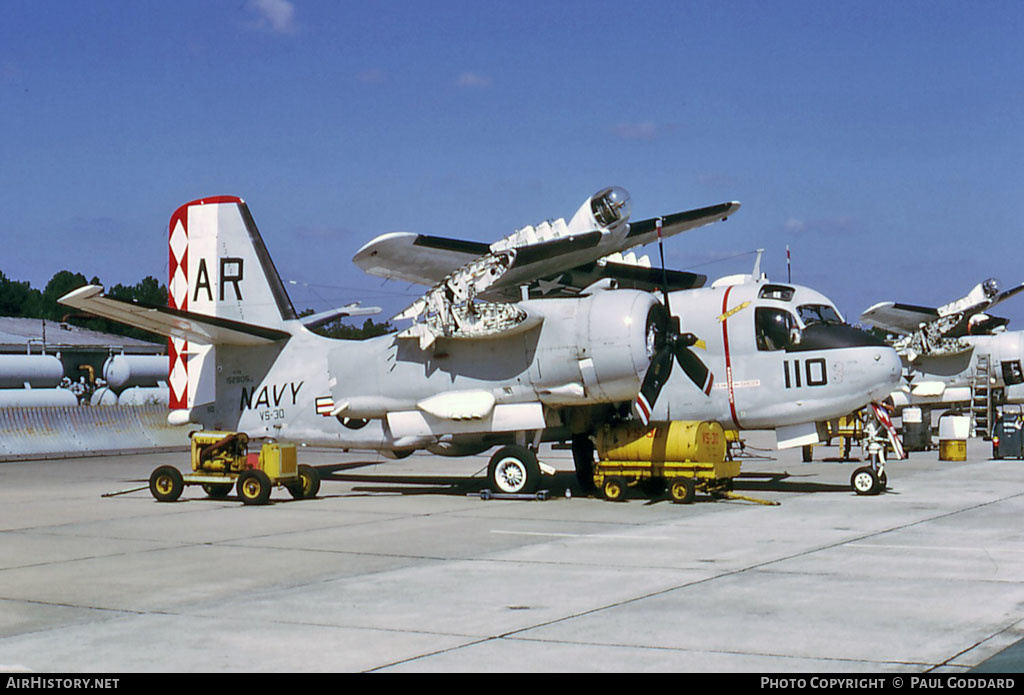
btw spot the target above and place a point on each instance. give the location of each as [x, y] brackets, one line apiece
[956, 353]
[546, 369]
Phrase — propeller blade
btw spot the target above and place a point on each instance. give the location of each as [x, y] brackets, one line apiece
[655, 378]
[695, 368]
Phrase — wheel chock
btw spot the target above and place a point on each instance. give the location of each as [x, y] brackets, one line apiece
[539, 496]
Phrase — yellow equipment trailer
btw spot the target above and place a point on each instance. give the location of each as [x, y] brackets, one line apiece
[221, 460]
[684, 456]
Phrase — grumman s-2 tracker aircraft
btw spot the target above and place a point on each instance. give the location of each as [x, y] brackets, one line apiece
[470, 374]
[956, 353]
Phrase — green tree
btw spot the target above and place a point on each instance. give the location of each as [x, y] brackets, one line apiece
[149, 290]
[18, 298]
[59, 285]
[344, 331]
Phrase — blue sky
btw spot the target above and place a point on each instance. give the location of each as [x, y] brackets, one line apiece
[882, 141]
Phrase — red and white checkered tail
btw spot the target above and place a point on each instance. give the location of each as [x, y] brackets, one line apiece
[218, 267]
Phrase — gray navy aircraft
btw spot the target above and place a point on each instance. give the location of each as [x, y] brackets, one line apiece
[542, 336]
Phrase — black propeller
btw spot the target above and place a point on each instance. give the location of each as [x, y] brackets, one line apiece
[667, 342]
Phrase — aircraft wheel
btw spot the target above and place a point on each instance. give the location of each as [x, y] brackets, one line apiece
[514, 469]
[614, 489]
[254, 487]
[308, 485]
[583, 459]
[217, 491]
[683, 490]
[166, 484]
[864, 481]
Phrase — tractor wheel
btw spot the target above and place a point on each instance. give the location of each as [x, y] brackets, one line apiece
[308, 485]
[217, 491]
[683, 490]
[254, 487]
[166, 484]
[614, 489]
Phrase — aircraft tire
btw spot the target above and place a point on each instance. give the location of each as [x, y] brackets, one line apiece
[166, 484]
[864, 481]
[254, 487]
[514, 469]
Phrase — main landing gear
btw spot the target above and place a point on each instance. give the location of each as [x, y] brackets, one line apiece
[514, 469]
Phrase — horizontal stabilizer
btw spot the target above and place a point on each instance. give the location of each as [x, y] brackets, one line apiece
[325, 317]
[173, 323]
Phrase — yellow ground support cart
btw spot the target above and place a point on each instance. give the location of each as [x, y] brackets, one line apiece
[683, 456]
[221, 460]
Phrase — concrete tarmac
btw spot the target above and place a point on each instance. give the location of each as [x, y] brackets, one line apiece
[394, 567]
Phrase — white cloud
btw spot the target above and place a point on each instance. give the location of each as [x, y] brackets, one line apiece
[642, 130]
[473, 80]
[276, 15]
[372, 76]
[794, 225]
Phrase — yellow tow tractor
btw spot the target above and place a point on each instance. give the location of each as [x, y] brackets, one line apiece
[221, 460]
[681, 455]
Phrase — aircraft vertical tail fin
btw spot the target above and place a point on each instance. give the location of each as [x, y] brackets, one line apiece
[218, 267]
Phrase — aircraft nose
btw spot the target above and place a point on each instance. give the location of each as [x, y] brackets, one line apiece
[886, 370]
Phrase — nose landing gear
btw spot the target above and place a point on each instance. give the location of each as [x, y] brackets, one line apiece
[879, 436]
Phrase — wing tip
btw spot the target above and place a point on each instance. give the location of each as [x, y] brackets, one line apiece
[80, 294]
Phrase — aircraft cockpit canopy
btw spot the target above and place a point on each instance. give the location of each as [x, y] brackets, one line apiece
[819, 313]
[783, 293]
[610, 206]
[776, 329]
[990, 287]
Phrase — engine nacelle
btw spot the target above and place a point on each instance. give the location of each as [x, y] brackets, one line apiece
[594, 350]
[587, 350]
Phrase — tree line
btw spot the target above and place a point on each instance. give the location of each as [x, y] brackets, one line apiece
[20, 299]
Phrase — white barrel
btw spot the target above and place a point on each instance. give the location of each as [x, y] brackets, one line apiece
[103, 396]
[122, 371]
[912, 415]
[954, 427]
[24, 398]
[36, 370]
[145, 395]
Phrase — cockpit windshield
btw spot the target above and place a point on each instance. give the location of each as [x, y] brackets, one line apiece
[819, 313]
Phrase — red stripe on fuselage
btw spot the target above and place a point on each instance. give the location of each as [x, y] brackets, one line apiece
[728, 358]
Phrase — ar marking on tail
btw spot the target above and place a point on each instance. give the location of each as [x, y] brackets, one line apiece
[231, 271]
